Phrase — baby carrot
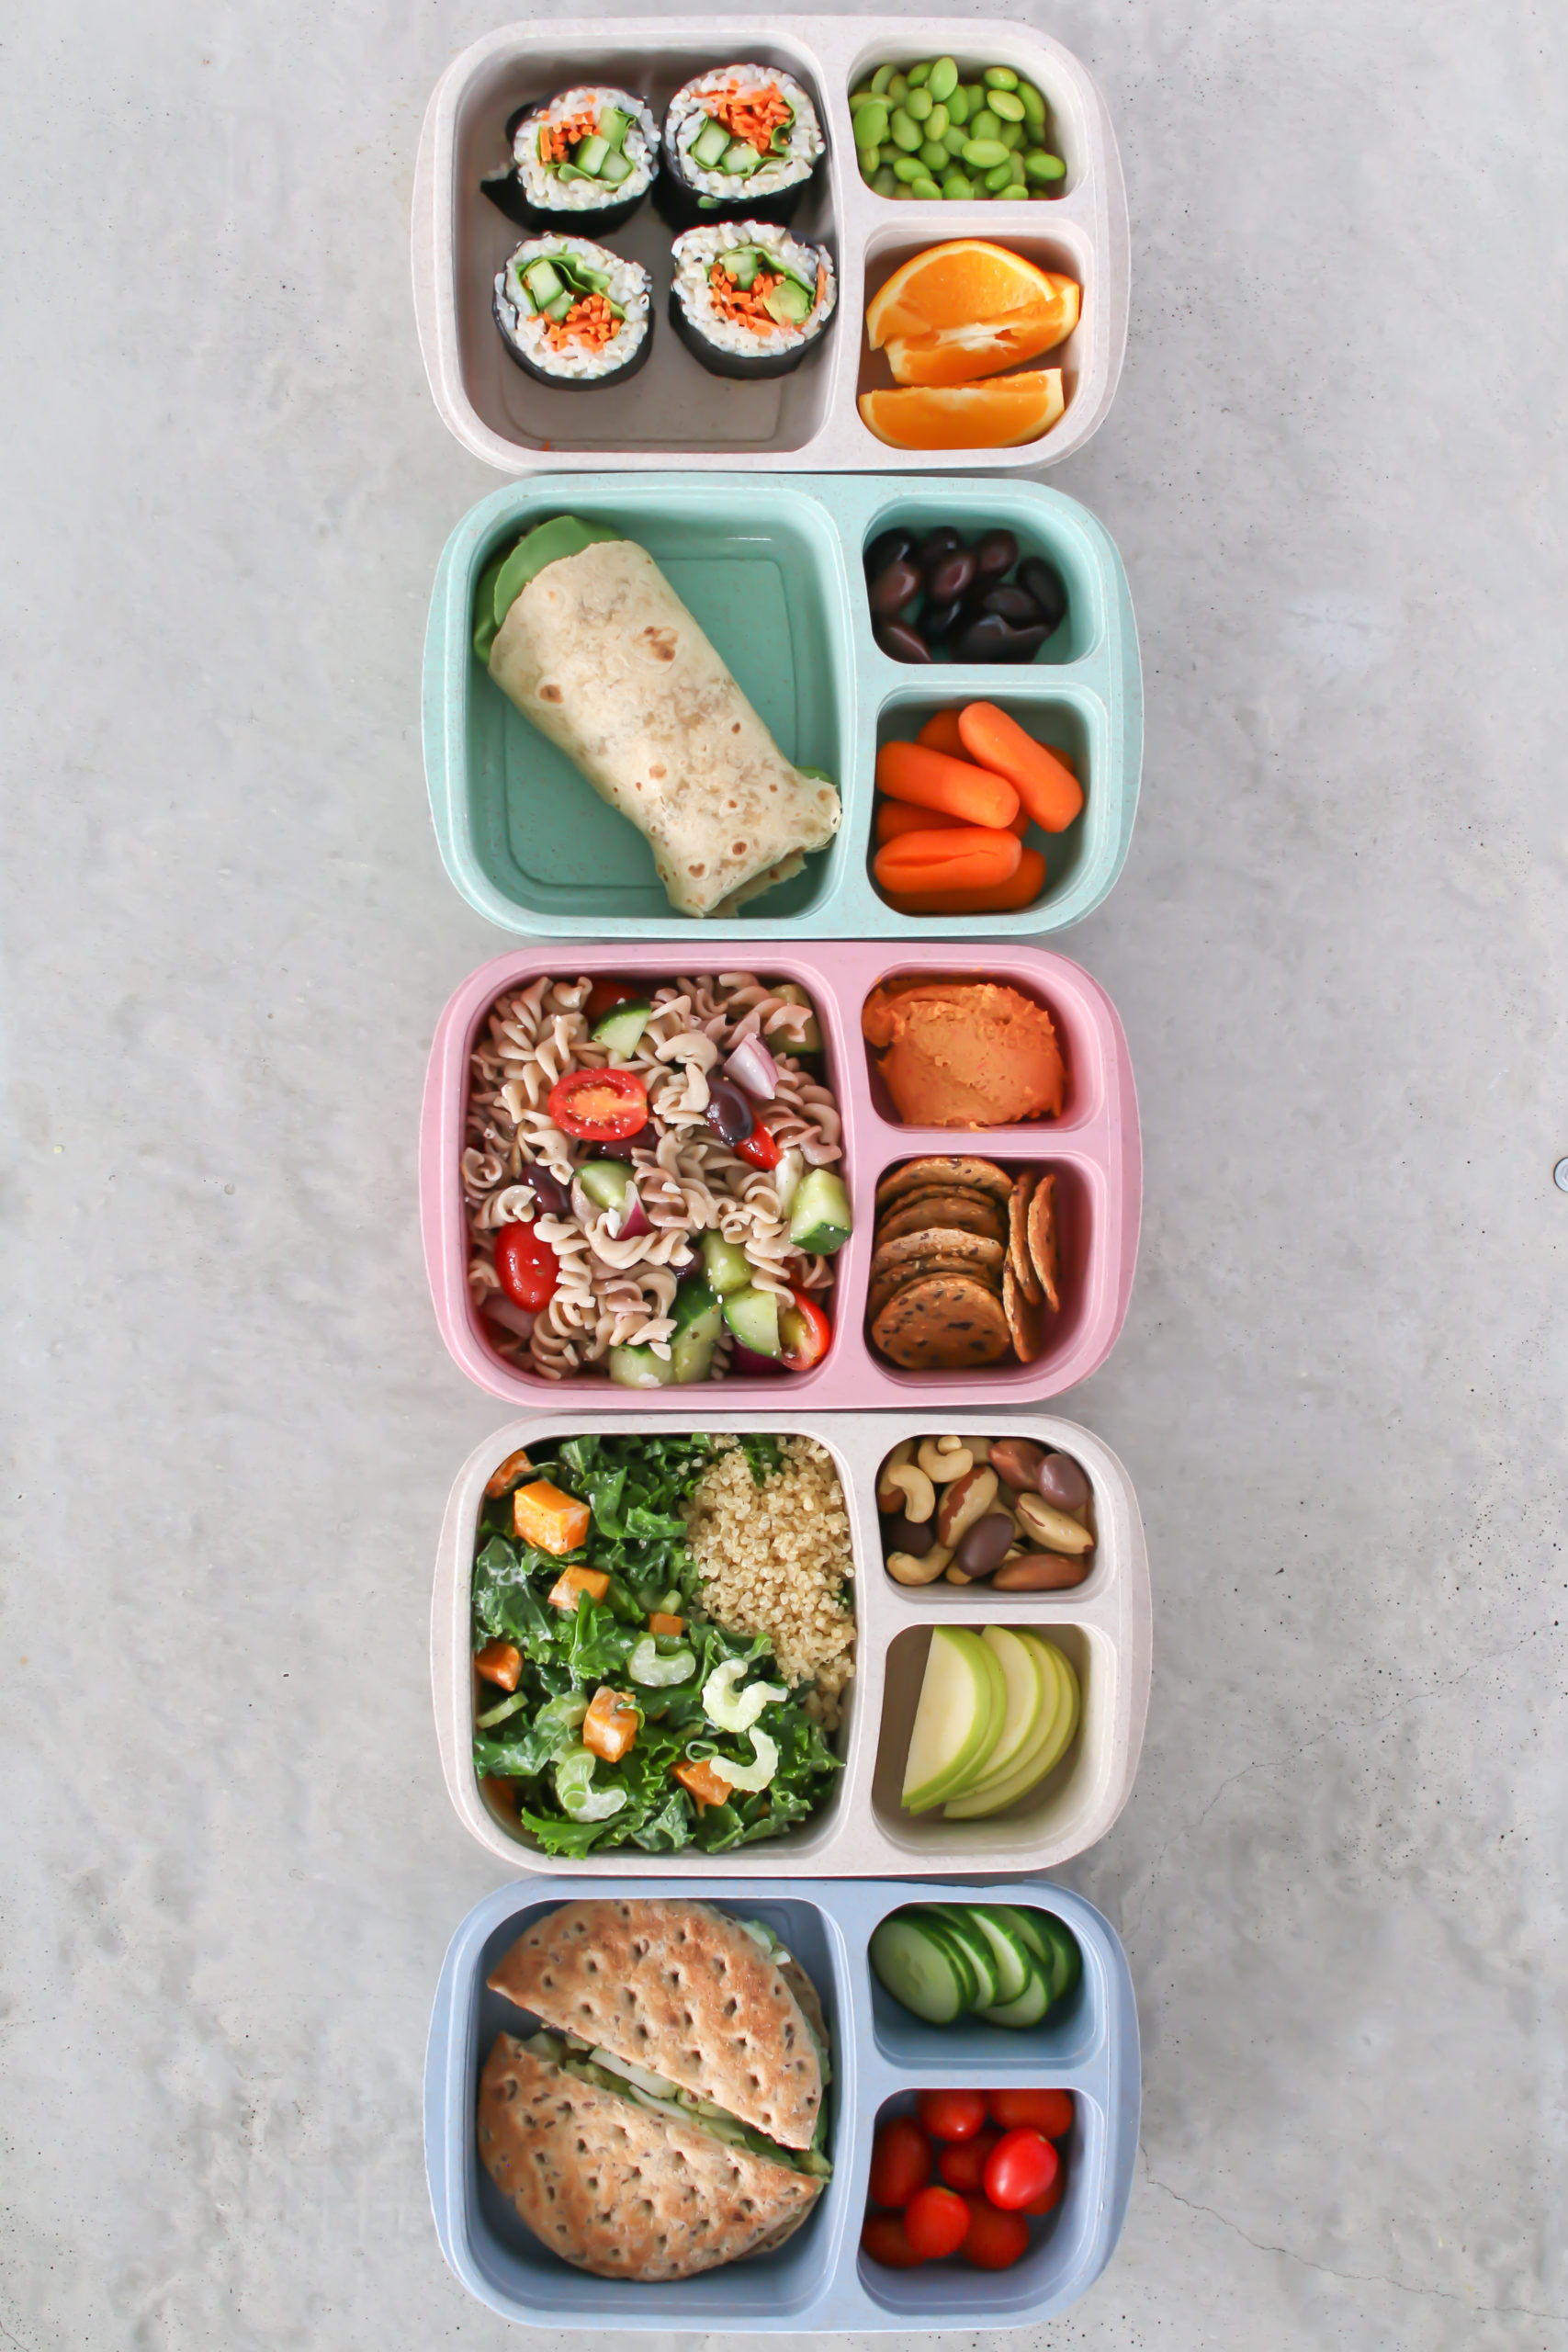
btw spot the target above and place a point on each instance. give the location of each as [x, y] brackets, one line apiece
[970, 858]
[1052, 795]
[895, 816]
[1000, 898]
[940, 733]
[931, 780]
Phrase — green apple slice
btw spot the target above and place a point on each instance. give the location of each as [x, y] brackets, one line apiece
[1029, 1696]
[978, 1805]
[963, 1702]
[1046, 1658]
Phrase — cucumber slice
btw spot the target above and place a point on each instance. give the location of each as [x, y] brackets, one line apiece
[1068, 1958]
[820, 1218]
[742, 265]
[1028, 2009]
[724, 1264]
[957, 1953]
[1015, 1963]
[589, 156]
[709, 145]
[955, 1918]
[753, 1316]
[613, 125]
[741, 159]
[559, 309]
[918, 1970]
[622, 1028]
[542, 281]
[787, 304]
[640, 1368]
[569, 172]
[614, 169]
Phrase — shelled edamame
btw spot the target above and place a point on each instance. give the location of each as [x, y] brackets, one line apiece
[923, 132]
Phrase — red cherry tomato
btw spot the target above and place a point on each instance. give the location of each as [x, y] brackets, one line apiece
[1053, 2196]
[995, 2240]
[952, 2115]
[935, 2222]
[604, 995]
[599, 1105]
[1049, 2111]
[758, 1147]
[900, 2161]
[804, 1332]
[528, 1268]
[1020, 2168]
[962, 2162]
[882, 2235]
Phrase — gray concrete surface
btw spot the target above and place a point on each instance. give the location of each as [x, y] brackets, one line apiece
[229, 1867]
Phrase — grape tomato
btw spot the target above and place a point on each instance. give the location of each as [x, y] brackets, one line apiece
[962, 2162]
[995, 2240]
[936, 2222]
[900, 2161]
[1050, 2111]
[881, 2235]
[1022, 2166]
[952, 2115]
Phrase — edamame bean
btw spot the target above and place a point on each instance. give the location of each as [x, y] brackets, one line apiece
[976, 97]
[933, 154]
[1034, 105]
[884, 183]
[907, 168]
[1007, 104]
[898, 89]
[1014, 194]
[957, 104]
[1012, 135]
[880, 79]
[905, 133]
[871, 124]
[861, 97]
[1041, 167]
[918, 75]
[936, 121]
[1000, 77]
[1001, 176]
[983, 124]
[918, 105]
[984, 154]
[956, 188]
[870, 161]
[943, 79]
[955, 138]
[926, 189]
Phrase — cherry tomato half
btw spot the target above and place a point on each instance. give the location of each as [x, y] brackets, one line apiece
[804, 1332]
[962, 2162]
[935, 2222]
[528, 1268]
[758, 1147]
[995, 2240]
[604, 995]
[599, 1105]
[952, 2115]
[1049, 2111]
[900, 2161]
[882, 2235]
[1020, 2168]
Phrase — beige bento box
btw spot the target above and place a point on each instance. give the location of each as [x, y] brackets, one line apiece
[1103, 1625]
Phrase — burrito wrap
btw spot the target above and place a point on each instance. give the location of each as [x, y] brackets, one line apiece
[601, 655]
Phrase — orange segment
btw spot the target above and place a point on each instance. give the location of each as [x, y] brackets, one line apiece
[985, 346]
[996, 414]
[955, 286]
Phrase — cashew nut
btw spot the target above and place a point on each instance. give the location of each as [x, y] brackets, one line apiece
[942, 1467]
[1052, 1528]
[889, 1496]
[919, 1494]
[904, 1568]
[949, 1445]
[956, 1576]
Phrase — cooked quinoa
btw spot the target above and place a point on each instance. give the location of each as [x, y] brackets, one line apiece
[777, 1559]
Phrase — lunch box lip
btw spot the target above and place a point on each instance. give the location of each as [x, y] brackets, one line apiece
[853, 1836]
[838, 2295]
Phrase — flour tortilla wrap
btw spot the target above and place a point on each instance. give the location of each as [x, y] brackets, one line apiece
[600, 654]
[616, 2191]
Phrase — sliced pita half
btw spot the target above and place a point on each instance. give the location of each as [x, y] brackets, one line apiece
[681, 1989]
[616, 2191]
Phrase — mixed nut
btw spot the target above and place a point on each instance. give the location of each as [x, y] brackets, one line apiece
[1000, 1511]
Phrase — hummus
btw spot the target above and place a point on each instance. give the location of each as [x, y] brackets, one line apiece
[963, 1053]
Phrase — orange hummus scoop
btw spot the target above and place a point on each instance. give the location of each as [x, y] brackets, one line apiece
[963, 1053]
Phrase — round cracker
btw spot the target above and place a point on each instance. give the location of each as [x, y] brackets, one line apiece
[950, 1205]
[933, 1241]
[1044, 1243]
[943, 1323]
[1018, 1236]
[983, 1174]
[1024, 1316]
[887, 1285]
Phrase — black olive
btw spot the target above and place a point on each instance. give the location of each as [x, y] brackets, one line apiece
[1026, 642]
[947, 579]
[888, 546]
[1044, 585]
[892, 588]
[936, 544]
[901, 642]
[937, 619]
[730, 1116]
[1014, 605]
[617, 1147]
[986, 639]
[996, 553]
[551, 1197]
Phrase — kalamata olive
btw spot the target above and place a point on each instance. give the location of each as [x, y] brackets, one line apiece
[996, 553]
[551, 1197]
[1039, 1572]
[985, 1545]
[888, 546]
[912, 1535]
[1018, 1463]
[616, 1147]
[948, 578]
[1060, 1482]
[898, 640]
[937, 619]
[1044, 585]
[730, 1116]
[935, 545]
[895, 586]
[1013, 604]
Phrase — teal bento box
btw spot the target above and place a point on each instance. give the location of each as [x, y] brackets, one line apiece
[772, 569]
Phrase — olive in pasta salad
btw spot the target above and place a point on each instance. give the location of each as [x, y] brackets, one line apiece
[651, 1179]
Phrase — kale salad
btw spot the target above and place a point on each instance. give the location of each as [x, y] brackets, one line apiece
[612, 1709]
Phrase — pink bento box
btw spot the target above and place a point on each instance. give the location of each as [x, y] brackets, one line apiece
[1093, 1147]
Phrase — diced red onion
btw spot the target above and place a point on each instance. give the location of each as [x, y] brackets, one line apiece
[747, 1360]
[752, 1067]
[635, 1218]
[515, 1319]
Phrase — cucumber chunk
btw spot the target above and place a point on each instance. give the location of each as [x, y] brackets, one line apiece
[614, 169]
[724, 1264]
[742, 158]
[622, 1028]
[542, 281]
[559, 309]
[589, 156]
[613, 125]
[753, 1316]
[742, 265]
[605, 1181]
[821, 1218]
[690, 1353]
[918, 1970]
[709, 144]
[697, 1308]
[640, 1368]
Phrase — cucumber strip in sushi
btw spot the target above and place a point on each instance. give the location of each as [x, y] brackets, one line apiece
[585, 159]
[741, 141]
[573, 312]
[748, 299]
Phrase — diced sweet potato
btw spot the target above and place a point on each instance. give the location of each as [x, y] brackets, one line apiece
[594, 1582]
[661, 1621]
[543, 1515]
[504, 1479]
[703, 1782]
[500, 1662]
[611, 1724]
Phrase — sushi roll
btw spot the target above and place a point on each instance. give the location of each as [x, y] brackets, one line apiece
[740, 142]
[585, 159]
[571, 313]
[748, 299]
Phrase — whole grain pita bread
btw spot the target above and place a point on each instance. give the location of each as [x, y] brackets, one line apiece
[615, 2189]
[886, 1287]
[941, 1323]
[681, 1989]
[952, 1168]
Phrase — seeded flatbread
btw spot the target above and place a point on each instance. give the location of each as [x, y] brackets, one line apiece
[914, 1174]
[1044, 1243]
[950, 1205]
[681, 1989]
[941, 1323]
[618, 2190]
[888, 1287]
[950, 1241]
[1019, 1258]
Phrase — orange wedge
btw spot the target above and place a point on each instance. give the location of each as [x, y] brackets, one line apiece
[958, 285]
[985, 346]
[996, 414]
